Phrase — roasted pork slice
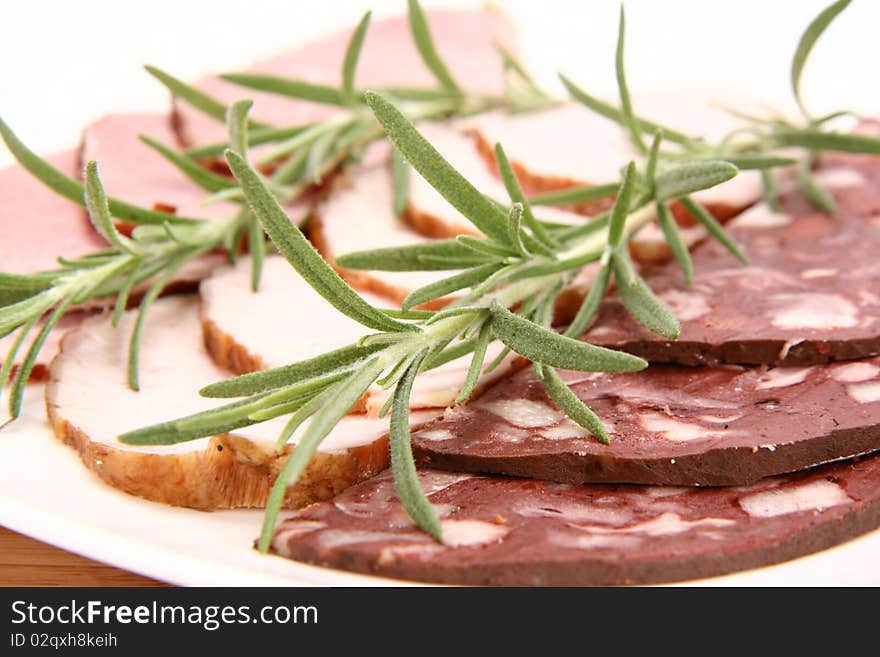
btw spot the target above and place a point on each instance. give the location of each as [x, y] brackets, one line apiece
[134, 172]
[40, 371]
[247, 331]
[464, 39]
[523, 532]
[89, 404]
[432, 215]
[668, 425]
[570, 145]
[358, 216]
[810, 295]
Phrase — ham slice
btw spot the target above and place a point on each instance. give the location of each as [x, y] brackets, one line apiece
[246, 331]
[464, 40]
[358, 216]
[37, 225]
[133, 172]
[89, 404]
[570, 145]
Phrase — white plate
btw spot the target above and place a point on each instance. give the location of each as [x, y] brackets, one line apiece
[46, 493]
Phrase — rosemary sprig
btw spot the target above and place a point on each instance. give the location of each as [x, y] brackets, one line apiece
[520, 262]
[162, 243]
[320, 147]
[805, 46]
[496, 277]
[349, 62]
[425, 43]
[759, 151]
[427, 341]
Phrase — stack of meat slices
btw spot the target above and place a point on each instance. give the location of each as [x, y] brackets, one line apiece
[193, 340]
[747, 442]
[136, 173]
[785, 381]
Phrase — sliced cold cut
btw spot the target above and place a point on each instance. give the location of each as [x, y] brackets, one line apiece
[89, 404]
[667, 425]
[133, 172]
[811, 294]
[247, 331]
[570, 145]
[40, 371]
[432, 215]
[37, 225]
[358, 216]
[521, 532]
[464, 40]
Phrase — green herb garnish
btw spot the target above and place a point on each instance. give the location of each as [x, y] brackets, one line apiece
[519, 263]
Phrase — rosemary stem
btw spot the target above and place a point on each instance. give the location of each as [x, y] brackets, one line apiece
[448, 328]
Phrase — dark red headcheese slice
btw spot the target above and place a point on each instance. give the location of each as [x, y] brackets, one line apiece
[811, 294]
[521, 532]
[726, 425]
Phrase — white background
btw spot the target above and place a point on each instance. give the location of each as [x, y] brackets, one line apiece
[65, 63]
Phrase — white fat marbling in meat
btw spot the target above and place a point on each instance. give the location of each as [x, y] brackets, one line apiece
[334, 538]
[864, 393]
[686, 305]
[554, 508]
[810, 274]
[524, 413]
[855, 372]
[782, 377]
[673, 429]
[814, 496]
[583, 541]
[666, 524]
[436, 434]
[569, 429]
[298, 528]
[813, 311]
[463, 533]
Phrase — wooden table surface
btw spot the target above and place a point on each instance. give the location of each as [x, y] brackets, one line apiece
[26, 562]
